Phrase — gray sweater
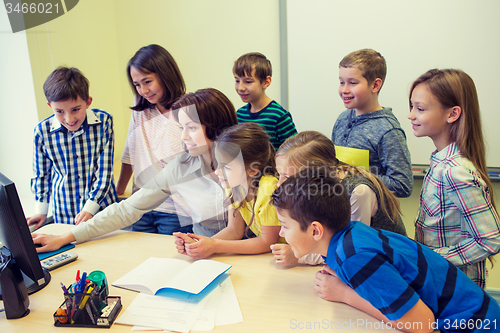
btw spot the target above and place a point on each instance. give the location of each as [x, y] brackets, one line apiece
[380, 133]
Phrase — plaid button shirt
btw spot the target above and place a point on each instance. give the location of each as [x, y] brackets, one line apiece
[456, 217]
[74, 170]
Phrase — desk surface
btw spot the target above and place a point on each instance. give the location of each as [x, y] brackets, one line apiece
[272, 298]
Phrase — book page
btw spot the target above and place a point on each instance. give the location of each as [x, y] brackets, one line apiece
[149, 276]
[197, 276]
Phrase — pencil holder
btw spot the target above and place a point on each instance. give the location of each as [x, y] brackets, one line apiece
[90, 309]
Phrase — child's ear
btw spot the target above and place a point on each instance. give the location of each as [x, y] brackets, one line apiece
[252, 172]
[267, 82]
[455, 113]
[89, 101]
[376, 85]
[318, 230]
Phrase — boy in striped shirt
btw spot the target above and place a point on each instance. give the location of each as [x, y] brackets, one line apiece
[73, 153]
[252, 74]
[394, 279]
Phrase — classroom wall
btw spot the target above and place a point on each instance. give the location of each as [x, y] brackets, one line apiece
[413, 37]
[205, 38]
[18, 114]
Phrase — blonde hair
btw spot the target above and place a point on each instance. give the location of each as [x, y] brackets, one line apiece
[313, 149]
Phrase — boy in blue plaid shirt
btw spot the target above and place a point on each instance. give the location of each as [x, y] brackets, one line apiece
[73, 153]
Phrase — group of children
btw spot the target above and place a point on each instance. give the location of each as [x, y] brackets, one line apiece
[226, 181]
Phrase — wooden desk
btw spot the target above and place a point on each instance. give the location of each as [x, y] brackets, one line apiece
[272, 298]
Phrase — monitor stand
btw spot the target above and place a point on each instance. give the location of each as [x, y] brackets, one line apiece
[31, 286]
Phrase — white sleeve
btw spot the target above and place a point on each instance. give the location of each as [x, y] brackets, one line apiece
[126, 212]
[312, 259]
[364, 204]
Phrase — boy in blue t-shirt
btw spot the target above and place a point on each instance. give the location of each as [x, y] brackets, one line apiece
[367, 125]
[73, 153]
[384, 274]
[252, 73]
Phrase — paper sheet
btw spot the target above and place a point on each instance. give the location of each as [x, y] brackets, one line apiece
[175, 314]
[228, 308]
[221, 308]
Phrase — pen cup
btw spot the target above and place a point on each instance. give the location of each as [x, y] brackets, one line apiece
[99, 278]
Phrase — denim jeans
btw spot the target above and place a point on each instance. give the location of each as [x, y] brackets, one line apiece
[160, 223]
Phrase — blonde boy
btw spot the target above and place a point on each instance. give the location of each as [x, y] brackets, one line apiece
[384, 274]
[367, 125]
[252, 74]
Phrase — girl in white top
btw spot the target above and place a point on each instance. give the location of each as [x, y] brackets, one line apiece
[202, 115]
[371, 201]
[247, 169]
[154, 137]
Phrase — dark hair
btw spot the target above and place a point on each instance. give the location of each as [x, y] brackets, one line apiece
[244, 65]
[370, 62]
[257, 151]
[208, 107]
[66, 83]
[155, 59]
[314, 194]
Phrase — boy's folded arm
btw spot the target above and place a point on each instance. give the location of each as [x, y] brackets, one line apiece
[419, 318]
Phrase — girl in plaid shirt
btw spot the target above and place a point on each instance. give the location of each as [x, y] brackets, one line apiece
[457, 216]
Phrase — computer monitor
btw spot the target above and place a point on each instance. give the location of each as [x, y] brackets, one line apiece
[15, 235]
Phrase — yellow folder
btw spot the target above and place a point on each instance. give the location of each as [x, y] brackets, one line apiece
[353, 156]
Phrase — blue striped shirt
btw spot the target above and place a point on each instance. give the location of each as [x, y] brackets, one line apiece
[393, 272]
[74, 170]
[277, 121]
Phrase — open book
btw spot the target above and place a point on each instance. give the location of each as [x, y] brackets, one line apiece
[160, 274]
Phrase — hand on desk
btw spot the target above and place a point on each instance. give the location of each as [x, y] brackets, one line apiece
[283, 254]
[52, 242]
[330, 287]
[39, 219]
[180, 240]
[193, 245]
[82, 217]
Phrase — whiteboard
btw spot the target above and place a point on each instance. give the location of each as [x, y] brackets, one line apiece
[413, 36]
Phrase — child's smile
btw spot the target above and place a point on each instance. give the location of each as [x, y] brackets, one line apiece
[71, 113]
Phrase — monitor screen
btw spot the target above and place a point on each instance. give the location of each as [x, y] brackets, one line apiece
[15, 235]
